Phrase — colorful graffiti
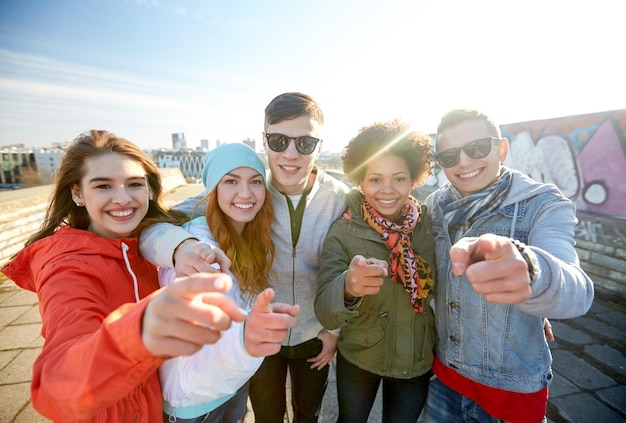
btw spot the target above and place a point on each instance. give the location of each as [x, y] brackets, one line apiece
[584, 155]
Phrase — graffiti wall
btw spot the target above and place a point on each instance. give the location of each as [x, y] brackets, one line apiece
[585, 156]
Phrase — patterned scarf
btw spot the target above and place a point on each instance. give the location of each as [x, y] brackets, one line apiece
[405, 267]
[461, 212]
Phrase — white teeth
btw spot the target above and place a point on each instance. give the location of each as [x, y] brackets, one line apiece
[387, 201]
[290, 168]
[121, 213]
[244, 206]
[470, 174]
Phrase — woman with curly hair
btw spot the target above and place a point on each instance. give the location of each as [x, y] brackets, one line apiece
[377, 276]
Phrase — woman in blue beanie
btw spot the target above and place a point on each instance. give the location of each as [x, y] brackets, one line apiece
[212, 384]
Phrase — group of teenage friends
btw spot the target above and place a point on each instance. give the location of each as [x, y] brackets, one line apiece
[180, 315]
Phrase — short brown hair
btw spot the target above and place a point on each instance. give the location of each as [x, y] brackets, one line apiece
[289, 106]
[456, 116]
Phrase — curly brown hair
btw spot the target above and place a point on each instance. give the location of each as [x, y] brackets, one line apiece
[395, 138]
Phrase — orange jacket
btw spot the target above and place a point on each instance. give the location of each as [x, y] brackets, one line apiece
[93, 366]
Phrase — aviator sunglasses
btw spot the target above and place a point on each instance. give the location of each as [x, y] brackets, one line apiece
[279, 143]
[476, 149]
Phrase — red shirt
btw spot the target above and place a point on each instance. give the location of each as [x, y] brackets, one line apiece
[514, 407]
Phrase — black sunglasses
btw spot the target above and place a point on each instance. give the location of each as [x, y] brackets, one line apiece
[476, 149]
[279, 143]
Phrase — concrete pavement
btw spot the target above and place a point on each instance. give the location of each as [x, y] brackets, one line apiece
[589, 359]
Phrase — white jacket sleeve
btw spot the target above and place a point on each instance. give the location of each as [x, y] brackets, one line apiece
[213, 372]
[217, 369]
[158, 242]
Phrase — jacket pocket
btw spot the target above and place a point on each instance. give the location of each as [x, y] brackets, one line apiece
[364, 336]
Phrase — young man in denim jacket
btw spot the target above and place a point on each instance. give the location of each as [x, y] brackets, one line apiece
[506, 260]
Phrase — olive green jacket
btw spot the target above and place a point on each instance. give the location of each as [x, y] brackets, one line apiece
[381, 333]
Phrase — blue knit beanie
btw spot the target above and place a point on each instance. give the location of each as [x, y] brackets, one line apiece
[221, 160]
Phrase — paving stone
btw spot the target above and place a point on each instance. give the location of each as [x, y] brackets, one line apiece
[22, 297]
[578, 371]
[560, 386]
[7, 290]
[20, 336]
[29, 415]
[599, 307]
[608, 356]
[569, 334]
[31, 316]
[613, 317]
[14, 399]
[20, 369]
[602, 329]
[11, 314]
[583, 408]
[615, 396]
[7, 356]
[38, 342]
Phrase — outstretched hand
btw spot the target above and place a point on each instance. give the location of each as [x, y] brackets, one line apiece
[365, 277]
[193, 256]
[267, 324]
[189, 313]
[494, 267]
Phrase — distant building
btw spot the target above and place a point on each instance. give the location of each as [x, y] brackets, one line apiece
[204, 145]
[18, 166]
[189, 162]
[166, 160]
[178, 142]
[48, 160]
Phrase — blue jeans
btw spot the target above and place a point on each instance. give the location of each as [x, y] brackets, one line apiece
[444, 404]
[403, 399]
[232, 411]
[267, 386]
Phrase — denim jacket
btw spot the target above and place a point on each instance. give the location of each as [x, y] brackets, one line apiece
[503, 345]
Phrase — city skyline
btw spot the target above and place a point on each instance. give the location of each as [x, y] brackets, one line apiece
[145, 69]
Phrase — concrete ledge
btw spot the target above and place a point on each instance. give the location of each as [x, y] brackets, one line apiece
[171, 178]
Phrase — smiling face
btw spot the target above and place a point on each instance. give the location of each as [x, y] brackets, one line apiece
[240, 195]
[472, 175]
[290, 169]
[387, 185]
[115, 194]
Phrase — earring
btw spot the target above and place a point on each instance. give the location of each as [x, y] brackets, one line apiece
[79, 203]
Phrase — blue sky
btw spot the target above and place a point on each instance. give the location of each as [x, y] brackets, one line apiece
[147, 68]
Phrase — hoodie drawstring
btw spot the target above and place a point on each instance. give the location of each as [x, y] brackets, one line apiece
[130, 270]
